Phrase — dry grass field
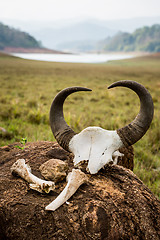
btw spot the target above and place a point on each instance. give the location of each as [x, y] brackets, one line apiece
[28, 88]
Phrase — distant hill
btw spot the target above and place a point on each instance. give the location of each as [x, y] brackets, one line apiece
[81, 36]
[145, 39]
[10, 37]
[13, 41]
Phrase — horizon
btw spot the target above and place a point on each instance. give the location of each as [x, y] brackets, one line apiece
[56, 37]
[53, 22]
[24, 25]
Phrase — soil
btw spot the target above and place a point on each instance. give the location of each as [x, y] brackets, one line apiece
[114, 204]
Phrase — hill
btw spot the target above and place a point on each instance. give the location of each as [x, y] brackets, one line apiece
[13, 40]
[145, 39]
[76, 36]
[10, 37]
[82, 34]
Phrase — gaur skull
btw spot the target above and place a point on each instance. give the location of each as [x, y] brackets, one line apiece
[94, 144]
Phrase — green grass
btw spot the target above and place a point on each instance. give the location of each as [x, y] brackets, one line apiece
[28, 88]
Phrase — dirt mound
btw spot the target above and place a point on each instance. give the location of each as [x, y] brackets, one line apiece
[114, 204]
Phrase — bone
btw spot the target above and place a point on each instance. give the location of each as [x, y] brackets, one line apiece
[96, 145]
[116, 155]
[23, 170]
[75, 179]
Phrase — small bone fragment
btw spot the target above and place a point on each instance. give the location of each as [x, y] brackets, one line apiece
[24, 171]
[115, 156]
[75, 179]
[54, 170]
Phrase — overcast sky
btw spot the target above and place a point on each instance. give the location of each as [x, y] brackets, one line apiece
[51, 10]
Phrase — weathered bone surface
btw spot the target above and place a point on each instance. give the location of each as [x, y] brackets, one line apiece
[117, 155]
[97, 146]
[75, 179]
[23, 170]
[54, 170]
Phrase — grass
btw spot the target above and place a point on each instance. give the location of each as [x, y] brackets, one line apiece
[28, 88]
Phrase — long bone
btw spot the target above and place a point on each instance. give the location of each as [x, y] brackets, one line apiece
[23, 170]
[95, 144]
[75, 179]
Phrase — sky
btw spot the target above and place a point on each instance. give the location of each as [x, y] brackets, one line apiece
[53, 10]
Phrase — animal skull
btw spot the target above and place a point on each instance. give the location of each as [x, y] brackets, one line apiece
[95, 144]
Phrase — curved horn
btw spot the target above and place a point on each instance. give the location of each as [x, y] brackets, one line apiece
[62, 132]
[134, 131]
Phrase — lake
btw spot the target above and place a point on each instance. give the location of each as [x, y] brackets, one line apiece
[74, 58]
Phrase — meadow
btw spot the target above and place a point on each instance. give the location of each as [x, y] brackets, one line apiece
[28, 88]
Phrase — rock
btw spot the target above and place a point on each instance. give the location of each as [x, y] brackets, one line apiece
[54, 170]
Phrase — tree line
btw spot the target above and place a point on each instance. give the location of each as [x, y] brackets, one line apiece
[10, 37]
[144, 39]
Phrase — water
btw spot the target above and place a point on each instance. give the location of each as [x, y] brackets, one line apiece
[74, 58]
